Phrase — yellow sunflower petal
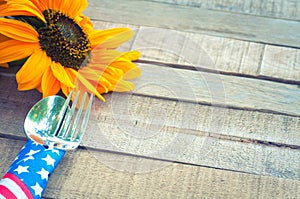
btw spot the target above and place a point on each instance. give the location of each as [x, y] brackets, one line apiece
[104, 56]
[30, 74]
[132, 55]
[60, 5]
[96, 77]
[39, 4]
[62, 74]
[85, 23]
[90, 87]
[132, 73]
[113, 79]
[18, 30]
[10, 50]
[111, 38]
[82, 84]
[20, 8]
[50, 85]
[101, 89]
[130, 70]
[66, 90]
[114, 71]
[72, 74]
[91, 74]
[74, 8]
[123, 86]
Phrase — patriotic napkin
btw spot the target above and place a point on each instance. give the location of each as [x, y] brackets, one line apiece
[28, 175]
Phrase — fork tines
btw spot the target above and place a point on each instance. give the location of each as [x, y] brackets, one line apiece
[73, 123]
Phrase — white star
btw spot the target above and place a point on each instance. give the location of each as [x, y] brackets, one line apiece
[49, 160]
[22, 169]
[32, 152]
[43, 173]
[35, 143]
[28, 158]
[37, 189]
[54, 151]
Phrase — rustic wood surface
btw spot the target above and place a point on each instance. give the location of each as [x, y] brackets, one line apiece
[288, 9]
[192, 19]
[214, 115]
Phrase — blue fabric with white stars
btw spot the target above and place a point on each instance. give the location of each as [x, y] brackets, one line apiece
[34, 165]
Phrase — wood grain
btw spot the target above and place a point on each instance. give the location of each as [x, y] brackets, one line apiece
[218, 90]
[74, 178]
[181, 102]
[287, 9]
[138, 129]
[197, 20]
[186, 132]
[215, 54]
[180, 131]
[200, 51]
[281, 62]
[135, 113]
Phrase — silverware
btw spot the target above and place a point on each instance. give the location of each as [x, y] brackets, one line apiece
[53, 123]
[52, 126]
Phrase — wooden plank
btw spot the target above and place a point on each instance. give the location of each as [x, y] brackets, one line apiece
[287, 9]
[14, 104]
[183, 132]
[135, 113]
[200, 51]
[84, 174]
[281, 62]
[139, 137]
[198, 20]
[204, 52]
[220, 90]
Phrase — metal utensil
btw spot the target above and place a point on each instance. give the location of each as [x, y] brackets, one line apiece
[53, 123]
[52, 127]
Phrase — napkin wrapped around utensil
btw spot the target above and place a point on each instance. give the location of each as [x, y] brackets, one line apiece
[29, 173]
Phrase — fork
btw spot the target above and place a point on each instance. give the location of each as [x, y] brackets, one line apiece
[69, 133]
[28, 175]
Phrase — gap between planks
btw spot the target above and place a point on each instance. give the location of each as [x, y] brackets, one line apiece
[215, 71]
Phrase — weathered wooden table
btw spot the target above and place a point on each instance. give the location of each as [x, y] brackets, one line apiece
[216, 113]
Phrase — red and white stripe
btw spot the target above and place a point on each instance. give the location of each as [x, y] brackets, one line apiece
[12, 187]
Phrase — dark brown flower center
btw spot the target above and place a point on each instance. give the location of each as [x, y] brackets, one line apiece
[64, 40]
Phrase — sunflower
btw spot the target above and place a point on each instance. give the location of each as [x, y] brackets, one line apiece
[62, 49]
